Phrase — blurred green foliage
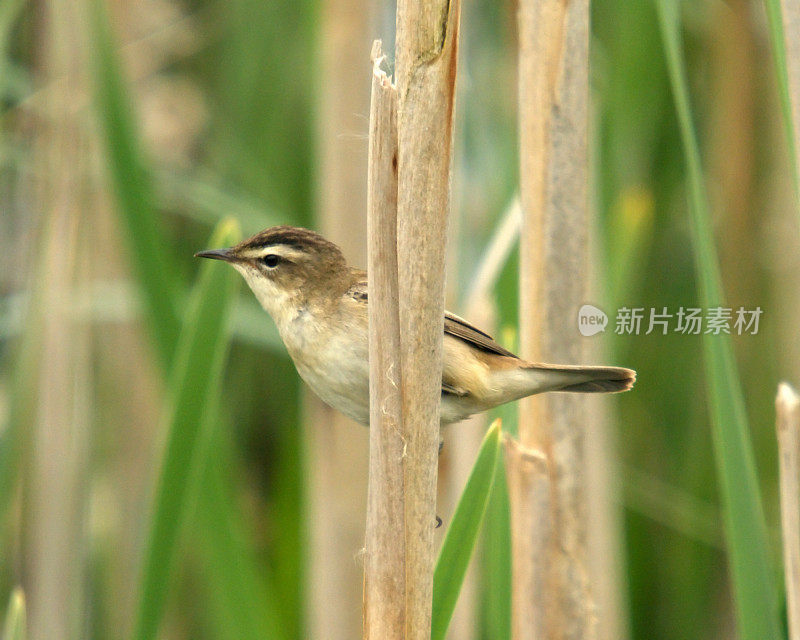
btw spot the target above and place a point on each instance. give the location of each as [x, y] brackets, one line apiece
[14, 625]
[462, 532]
[752, 574]
[253, 158]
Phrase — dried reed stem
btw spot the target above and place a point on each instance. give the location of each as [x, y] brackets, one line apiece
[336, 445]
[791, 34]
[344, 100]
[553, 96]
[56, 489]
[787, 407]
[530, 496]
[384, 565]
[427, 45]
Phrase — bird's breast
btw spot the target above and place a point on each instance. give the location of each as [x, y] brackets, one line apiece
[335, 364]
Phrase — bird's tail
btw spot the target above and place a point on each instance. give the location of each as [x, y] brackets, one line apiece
[584, 379]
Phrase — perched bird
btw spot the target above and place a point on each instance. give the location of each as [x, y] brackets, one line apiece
[319, 305]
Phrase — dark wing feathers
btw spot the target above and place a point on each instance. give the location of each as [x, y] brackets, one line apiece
[453, 391]
[453, 324]
[460, 328]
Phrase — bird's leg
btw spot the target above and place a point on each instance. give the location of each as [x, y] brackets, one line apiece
[441, 446]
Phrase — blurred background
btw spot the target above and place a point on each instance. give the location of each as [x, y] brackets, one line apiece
[258, 110]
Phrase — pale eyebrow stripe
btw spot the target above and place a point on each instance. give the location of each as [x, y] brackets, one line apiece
[283, 251]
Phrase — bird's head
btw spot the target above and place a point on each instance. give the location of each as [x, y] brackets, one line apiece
[287, 268]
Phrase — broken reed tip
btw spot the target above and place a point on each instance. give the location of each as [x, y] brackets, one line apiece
[376, 54]
[787, 406]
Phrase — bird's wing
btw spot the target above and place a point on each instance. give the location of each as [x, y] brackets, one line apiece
[358, 285]
[463, 330]
[453, 325]
[454, 391]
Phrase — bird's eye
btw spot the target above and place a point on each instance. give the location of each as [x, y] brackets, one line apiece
[271, 260]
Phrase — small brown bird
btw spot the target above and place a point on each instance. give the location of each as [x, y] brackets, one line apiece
[319, 304]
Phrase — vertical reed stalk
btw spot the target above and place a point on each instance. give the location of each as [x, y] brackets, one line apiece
[56, 492]
[553, 96]
[336, 446]
[787, 407]
[384, 570]
[530, 496]
[427, 46]
[791, 34]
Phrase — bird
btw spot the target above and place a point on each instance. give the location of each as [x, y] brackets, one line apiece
[319, 305]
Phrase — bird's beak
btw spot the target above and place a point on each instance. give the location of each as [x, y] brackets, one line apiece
[217, 254]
